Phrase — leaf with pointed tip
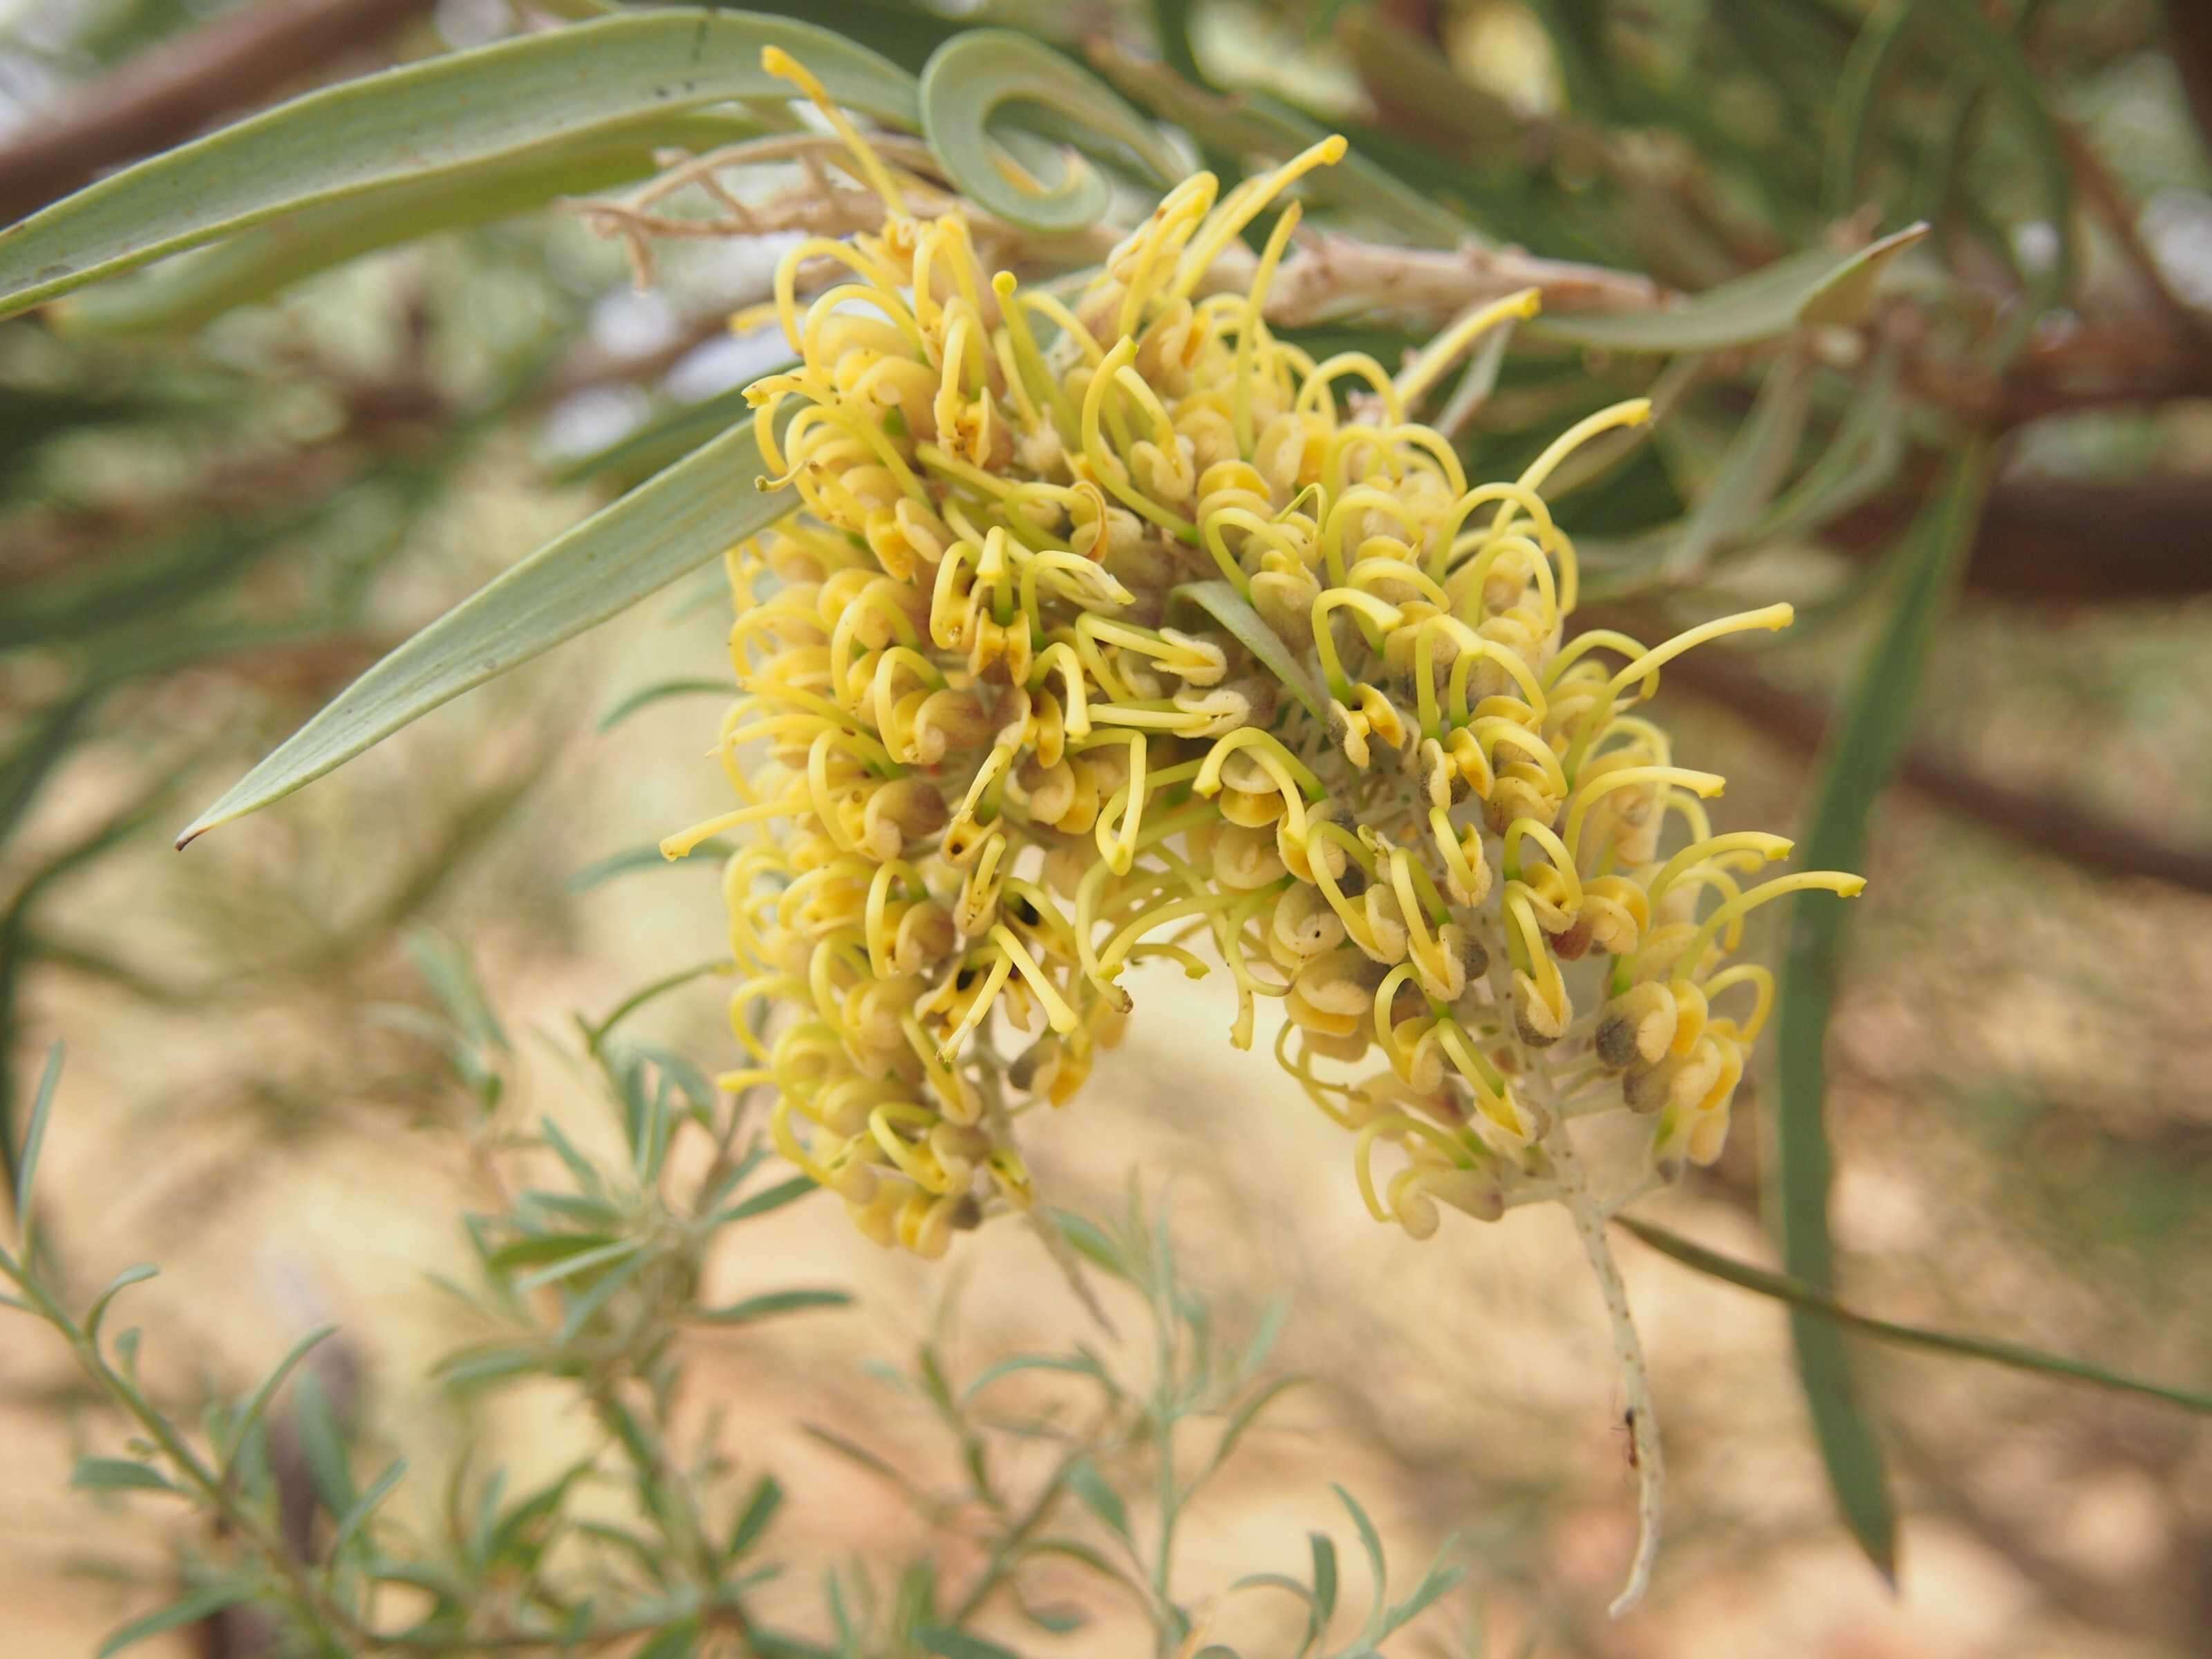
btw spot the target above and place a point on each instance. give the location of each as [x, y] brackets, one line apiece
[364, 1506]
[234, 1436]
[1862, 755]
[122, 1282]
[638, 544]
[975, 75]
[631, 861]
[482, 112]
[190, 1610]
[119, 1474]
[175, 298]
[1371, 1541]
[1234, 612]
[1817, 286]
[776, 1302]
[35, 1136]
[1092, 1491]
[1799, 1294]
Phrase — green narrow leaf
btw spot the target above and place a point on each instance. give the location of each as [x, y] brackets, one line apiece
[581, 1261]
[580, 1307]
[1799, 1294]
[451, 977]
[190, 1610]
[1324, 1586]
[973, 77]
[122, 1282]
[1857, 460]
[1091, 1242]
[677, 520]
[1234, 611]
[634, 860]
[1850, 114]
[752, 1520]
[323, 1444]
[580, 1167]
[1248, 1414]
[119, 1474]
[541, 1247]
[236, 1436]
[662, 440]
[364, 1506]
[1073, 1364]
[266, 258]
[1441, 1579]
[766, 1200]
[958, 1644]
[1092, 1491]
[1877, 720]
[1274, 1581]
[645, 695]
[1816, 286]
[1995, 53]
[1371, 1541]
[35, 1136]
[767, 1307]
[1756, 460]
[467, 111]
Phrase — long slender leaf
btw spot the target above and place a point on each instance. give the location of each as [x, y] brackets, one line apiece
[234, 1436]
[776, 1302]
[476, 112]
[1876, 722]
[752, 1520]
[678, 520]
[663, 439]
[1799, 1294]
[322, 1443]
[1371, 1541]
[122, 1282]
[645, 696]
[633, 860]
[35, 1136]
[1753, 468]
[768, 1199]
[1092, 1491]
[973, 76]
[119, 1474]
[259, 261]
[1816, 286]
[1234, 612]
[190, 1610]
[364, 1506]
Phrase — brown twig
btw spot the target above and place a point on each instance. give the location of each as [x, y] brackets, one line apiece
[2079, 834]
[2067, 541]
[178, 88]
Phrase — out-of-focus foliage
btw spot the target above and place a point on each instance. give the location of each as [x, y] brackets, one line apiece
[209, 533]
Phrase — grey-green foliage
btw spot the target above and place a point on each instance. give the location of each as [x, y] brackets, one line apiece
[1785, 118]
[591, 1277]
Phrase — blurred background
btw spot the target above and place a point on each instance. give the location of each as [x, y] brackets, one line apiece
[205, 532]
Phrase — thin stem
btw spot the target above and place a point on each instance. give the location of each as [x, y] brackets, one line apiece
[1628, 1351]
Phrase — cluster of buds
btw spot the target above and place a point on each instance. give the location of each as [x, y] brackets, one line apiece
[1112, 626]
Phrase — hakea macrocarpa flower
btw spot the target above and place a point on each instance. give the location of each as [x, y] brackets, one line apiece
[1365, 773]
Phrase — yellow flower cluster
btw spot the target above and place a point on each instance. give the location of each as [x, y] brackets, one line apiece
[1106, 632]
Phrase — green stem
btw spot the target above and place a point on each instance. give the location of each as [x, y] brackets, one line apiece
[1799, 1294]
